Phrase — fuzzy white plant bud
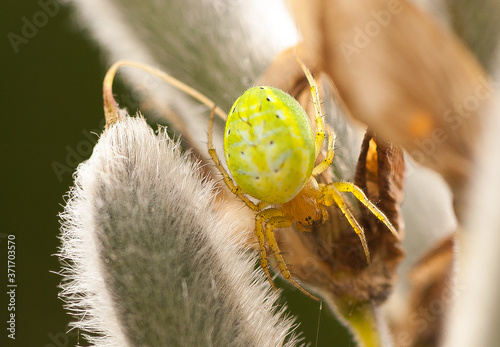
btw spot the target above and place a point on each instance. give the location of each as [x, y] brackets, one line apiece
[147, 260]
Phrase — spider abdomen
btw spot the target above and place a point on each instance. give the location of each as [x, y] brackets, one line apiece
[269, 144]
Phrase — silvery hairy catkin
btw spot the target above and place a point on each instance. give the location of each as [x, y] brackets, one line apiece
[147, 260]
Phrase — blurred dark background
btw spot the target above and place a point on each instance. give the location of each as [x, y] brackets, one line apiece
[51, 102]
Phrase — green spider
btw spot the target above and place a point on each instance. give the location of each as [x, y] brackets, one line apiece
[270, 150]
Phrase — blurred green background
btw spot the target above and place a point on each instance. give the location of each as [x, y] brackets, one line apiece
[52, 107]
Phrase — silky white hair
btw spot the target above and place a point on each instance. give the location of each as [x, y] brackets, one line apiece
[147, 260]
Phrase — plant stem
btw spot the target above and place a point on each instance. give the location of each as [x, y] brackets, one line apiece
[365, 322]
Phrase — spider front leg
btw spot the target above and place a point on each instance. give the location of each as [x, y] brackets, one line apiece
[265, 223]
[331, 194]
[320, 124]
[358, 193]
[321, 127]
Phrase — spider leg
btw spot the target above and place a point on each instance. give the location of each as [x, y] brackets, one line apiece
[110, 106]
[259, 231]
[320, 124]
[273, 219]
[325, 164]
[358, 193]
[332, 195]
[227, 178]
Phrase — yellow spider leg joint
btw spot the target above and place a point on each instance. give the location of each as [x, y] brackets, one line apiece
[329, 155]
[259, 231]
